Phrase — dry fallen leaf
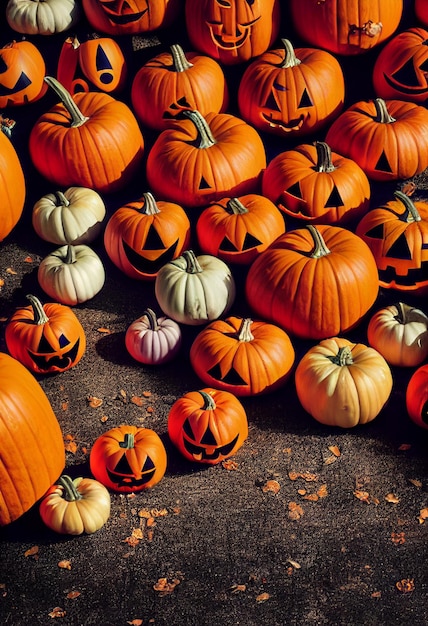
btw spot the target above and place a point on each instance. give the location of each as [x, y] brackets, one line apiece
[322, 491]
[308, 476]
[416, 482]
[136, 622]
[235, 588]
[398, 538]
[376, 594]
[94, 402]
[364, 496]
[57, 612]
[391, 497]
[137, 400]
[229, 464]
[72, 595]
[147, 394]
[272, 486]
[423, 515]
[330, 459]
[11, 271]
[33, 551]
[262, 597]
[295, 511]
[64, 564]
[165, 586]
[312, 497]
[407, 585]
[294, 564]
[334, 450]
[106, 331]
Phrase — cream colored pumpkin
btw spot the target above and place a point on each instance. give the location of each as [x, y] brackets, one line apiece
[400, 333]
[42, 17]
[341, 383]
[74, 216]
[71, 274]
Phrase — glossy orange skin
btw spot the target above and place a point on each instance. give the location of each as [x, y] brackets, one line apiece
[12, 186]
[22, 59]
[417, 397]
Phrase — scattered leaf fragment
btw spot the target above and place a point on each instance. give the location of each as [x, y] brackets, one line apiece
[376, 594]
[137, 400]
[312, 497]
[94, 402]
[235, 588]
[262, 597]
[165, 586]
[64, 564]
[423, 515]
[11, 271]
[72, 595]
[147, 394]
[334, 450]
[294, 564]
[391, 497]
[70, 444]
[28, 259]
[406, 585]
[404, 446]
[103, 419]
[322, 491]
[364, 496]
[295, 511]
[330, 459]
[106, 331]
[57, 612]
[308, 476]
[229, 464]
[398, 538]
[33, 551]
[416, 482]
[271, 485]
[135, 622]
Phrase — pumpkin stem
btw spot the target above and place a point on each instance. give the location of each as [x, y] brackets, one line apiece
[60, 199]
[181, 64]
[206, 139]
[290, 59]
[70, 492]
[320, 249]
[403, 311]
[70, 256]
[209, 403]
[128, 441]
[77, 117]
[245, 333]
[40, 317]
[193, 266]
[7, 125]
[324, 162]
[153, 320]
[235, 206]
[150, 204]
[382, 113]
[412, 213]
[343, 357]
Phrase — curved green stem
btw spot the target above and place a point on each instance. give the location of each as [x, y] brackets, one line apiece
[128, 441]
[206, 139]
[412, 213]
[382, 113]
[192, 264]
[245, 333]
[60, 199]
[71, 494]
[153, 320]
[290, 59]
[181, 64]
[209, 404]
[235, 206]
[40, 317]
[324, 162]
[70, 256]
[77, 117]
[343, 357]
[150, 205]
[320, 248]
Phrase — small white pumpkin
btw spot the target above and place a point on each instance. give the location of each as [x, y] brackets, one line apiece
[42, 17]
[153, 340]
[195, 289]
[400, 333]
[74, 216]
[71, 274]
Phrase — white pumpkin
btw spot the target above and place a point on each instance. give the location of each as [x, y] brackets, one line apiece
[400, 333]
[71, 274]
[42, 17]
[74, 216]
[153, 340]
[195, 289]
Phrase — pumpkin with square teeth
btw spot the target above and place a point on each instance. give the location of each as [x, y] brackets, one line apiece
[45, 338]
[207, 426]
[128, 458]
[143, 235]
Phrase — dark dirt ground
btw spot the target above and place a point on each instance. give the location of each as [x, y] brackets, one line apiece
[230, 550]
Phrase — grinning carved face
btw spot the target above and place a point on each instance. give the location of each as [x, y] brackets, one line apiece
[151, 256]
[278, 111]
[124, 12]
[125, 476]
[230, 24]
[22, 70]
[58, 357]
[127, 17]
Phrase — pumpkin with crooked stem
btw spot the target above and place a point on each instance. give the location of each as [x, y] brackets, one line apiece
[341, 383]
[195, 289]
[152, 340]
[315, 282]
[74, 507]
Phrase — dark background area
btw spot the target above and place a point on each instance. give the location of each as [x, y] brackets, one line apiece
[224, 538]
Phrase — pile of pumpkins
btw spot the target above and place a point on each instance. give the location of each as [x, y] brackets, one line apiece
[208, 169]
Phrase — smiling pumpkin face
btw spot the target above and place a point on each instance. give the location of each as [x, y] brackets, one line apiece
[22, 70]
[127, 17]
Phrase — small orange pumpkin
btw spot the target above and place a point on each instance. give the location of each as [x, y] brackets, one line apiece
[22, 70]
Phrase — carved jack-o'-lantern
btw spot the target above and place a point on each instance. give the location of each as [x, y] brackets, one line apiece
[46, 339]
[207, 426]
[95, 64]
[22, 72]
[401, 69]
[127, 17]
[397, 235]
[142, 236]
[233, 31]
[128, 458]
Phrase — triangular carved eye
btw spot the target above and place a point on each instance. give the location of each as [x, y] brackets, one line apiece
[377, 232]
[424, 66]
[305, 100]
[203, 184]
[227, 246]
[101, 60]
[334, 199]
[123, 466]
[21, 84]
[188, 430]
[295, 190]
[3, 66]
[250, 242]
[208, 439]
[271, 103]
[231, 378]
[406, 75]
[148, 465]
[153, 241]
[400, 249]
[383, 164]
[46, 348]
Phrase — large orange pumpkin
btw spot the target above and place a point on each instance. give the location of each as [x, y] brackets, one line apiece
[291, 91]
[346, 26]
[88, 140]
[315, 282]
[32, 454]
[12, 181]
[397, 234]
[128, 17]
[22, 70]
[234, 31]
[143, 235]
[244, 356]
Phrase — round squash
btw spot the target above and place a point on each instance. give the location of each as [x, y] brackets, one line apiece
[42, 17]
[417, 397]
[153, 340]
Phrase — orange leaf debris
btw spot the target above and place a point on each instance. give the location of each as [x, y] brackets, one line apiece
[94, 402]
[406, 585]
[262, 597]
[295, 511]
[57, 612]
[33, 551]
[272, 486]
[64, 564]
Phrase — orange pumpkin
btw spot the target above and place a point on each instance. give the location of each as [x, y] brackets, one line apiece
[128, 458]
[315, 282]
[128, 17]
[205, 158]
[235, 31]
[397, 235]
[417, 397]
[12, 181]
[22, 70]
[45, 338]
[346, 27]
[32, 454]
[243, 356]
[291, 91]
[87, 140]
[421, 11]
[207, 426]
[238, 230]
[314, 184]
[174, 81]
[144, 235]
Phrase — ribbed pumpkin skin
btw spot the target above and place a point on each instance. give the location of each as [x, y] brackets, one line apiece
[131, 17]
[310, 297]
[345, 26]
[102, 154]
[21, 58]
[32, 454]
[12, 187]
[181, 170]
[42, 17]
